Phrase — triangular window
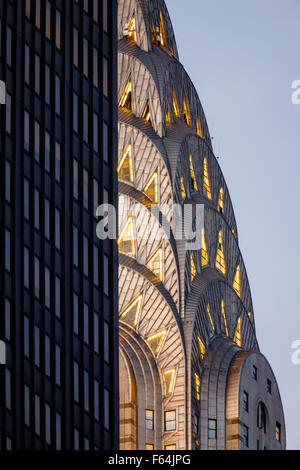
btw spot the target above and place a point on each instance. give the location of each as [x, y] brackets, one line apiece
[132, 312]
[155, 341]
[125, 167]
[126, 239]
[151, 188]
[155, 263]
[220, 258]
[126, 98]
[206, 180]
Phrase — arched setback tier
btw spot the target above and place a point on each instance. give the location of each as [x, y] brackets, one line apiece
[148, 321]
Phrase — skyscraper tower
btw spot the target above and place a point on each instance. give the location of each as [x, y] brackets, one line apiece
[191, 371]
[58, 281]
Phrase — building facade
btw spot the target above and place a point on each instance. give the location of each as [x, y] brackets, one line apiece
[191, 373]
[58, 281]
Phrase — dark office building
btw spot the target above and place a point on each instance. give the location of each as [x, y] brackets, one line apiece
[58, 281]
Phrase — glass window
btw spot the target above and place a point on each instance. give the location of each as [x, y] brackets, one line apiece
[86, 444]
[96, 333]
[96, 195]
[95, 67]
[96, 400]
[95, 132]
[47, 151]
[47, 219]
[86, 5]
[58, 431]
[85, 255]
[57, 161]
[27, 65]
[57, 365]
[26, 267]
[75, 179]
[7, 320]
[76, 439]
[85, 122]
[57, 229]
[85, 189]
[38, 13]
[106, 409]
[26, 337]
[149, 419]
[105, 15]
[196, 424]
[7, 181]
[76, 381]
[26, 199]
[170, 420]
[212, 429]
[96, 266]
[246, 401]
[57, 296]
[105, 142]
[48, 424]
[96, 10]
[8, 389]
[86, 323]
[9, 46]
[37, 346]
[76, 47]
[47, 84]
[278, 432]
[58, 30]
[246, 435]
[75, 314]
[36, 277]
[85, 57]
[37, 141]
[7, 250]
[8, 111]
[47, 356]
[75, 112]
[26, 131]
[86, 391]
[37, 409]
[26, 405]
[37, 74]
[47, 287]
[106, 342]
[36, 209]
[105, 77]
[254, 372]
[57, 95]
[28, 8]
[105, 275]
[48, 19]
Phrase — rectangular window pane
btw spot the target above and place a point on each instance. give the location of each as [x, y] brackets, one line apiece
[105, 142]
[85, 57]
[75, 47]
[96, 400]
[37, 74]
[47, 151]
[37, 408]
[85, 189]
[106, 342]
[105, 15]
[86, 323]
[27, 65]
[7, 320]
[76, 314]
[47, 84]
[26, 267]
[8, 111]
[37, 345]
[9, 46]
[57, 229]
[7, 181]
[57, 161]
[76, 382]
[75, 112]
[96, 10]
[36, 141]
[57, 296]
[96, 266]
[26, 131]
[28, 8]
[58, 432]
[7, 250]
[96, 196]
[47, 287]
[48, 424]
[26, 199]
[105, 275]
[86, 391]
[85, 256]
[58, 29]
[95, 132]
[106, 409]
[26, 405]
[47, 356]
[26, 337]
[57, 95]
[75, 179]
[38, 13]
[105, 77]
[48, 19]
[95, 67]
[57, 365]
[8, 389]
[75, 246]
[96, 333]
[85, 122]
[36, 209]
[47, 219]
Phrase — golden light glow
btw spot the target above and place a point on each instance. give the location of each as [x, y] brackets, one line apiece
[206, 180]
[132, 29]
[125, 167]
[168, 117]
[151, 188]
[250, 315]
[197, 383]
[155, 263]
[146, 113]
[223, 313]
[155, 341]
[193, 176]
[170, 447]
[220, 258]
[187, 116]
[133, 311]
[168, 381]
[193, 268]
[175, 106]
[238, 333]
[126, 239]
[183, 190]
[204, 251]
[199, 129]
[125, 101]
[210, 317]
[154, 36]
[221, 201]
[149, 446]
[202, 347]
[163, 40]
[237, 281]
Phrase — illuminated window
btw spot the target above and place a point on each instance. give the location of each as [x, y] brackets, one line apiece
[221, 201]
[163, 40]
[223, 317]
[132, 312]
[125, 167]
[151, 188]
[193, 268]
[126, 238]
[126, 101]
[220, 258]
[155, 341]
[146, 113]
[237, 281]
[278, 432]
[210, 317]
[206, 180]
[250, 315]
[132, 29]
[170, 447]
[193, 176]
[168, 117]
[175, 106]
[204, 251]
[199, 129]
[202, 347]
[149, 447]
[168, 381]
[238, 333]
[183, 190]
[187, 117]
[155, 263]
[197, 383]
[154, 34]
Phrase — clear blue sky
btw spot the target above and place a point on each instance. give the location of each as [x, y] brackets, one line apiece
[242, 57]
